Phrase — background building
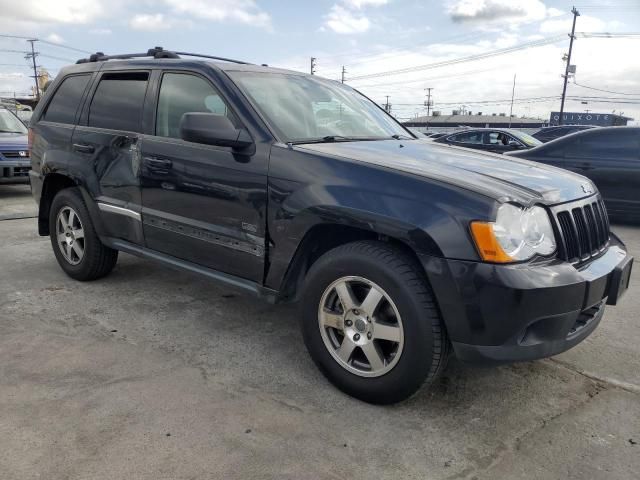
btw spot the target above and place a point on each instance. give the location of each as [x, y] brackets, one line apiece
[456, 121]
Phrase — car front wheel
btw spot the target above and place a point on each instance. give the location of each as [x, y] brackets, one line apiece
[370, 322]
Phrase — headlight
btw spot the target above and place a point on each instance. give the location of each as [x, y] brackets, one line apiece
[517, 234]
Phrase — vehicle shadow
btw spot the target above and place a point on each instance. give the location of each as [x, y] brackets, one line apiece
[245, 326]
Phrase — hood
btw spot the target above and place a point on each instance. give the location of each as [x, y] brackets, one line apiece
[493, 175]
[17, 141]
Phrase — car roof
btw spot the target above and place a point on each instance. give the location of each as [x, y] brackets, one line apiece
[591, 131]
[559, 127]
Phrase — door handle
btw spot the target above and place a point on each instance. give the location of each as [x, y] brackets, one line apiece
[158, 165]
[83, 148]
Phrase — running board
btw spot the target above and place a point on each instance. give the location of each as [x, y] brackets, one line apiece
[247, 285]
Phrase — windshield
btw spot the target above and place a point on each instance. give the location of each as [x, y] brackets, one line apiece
[9, 123]
[306, 109]
[525, 138]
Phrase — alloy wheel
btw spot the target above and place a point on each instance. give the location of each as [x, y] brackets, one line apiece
[361, 326]
[70, 235]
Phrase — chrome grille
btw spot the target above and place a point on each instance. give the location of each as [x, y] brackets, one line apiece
[584, 229]
[15, 154]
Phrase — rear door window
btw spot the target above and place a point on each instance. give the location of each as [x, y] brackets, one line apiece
[118, 101]
[63, 106]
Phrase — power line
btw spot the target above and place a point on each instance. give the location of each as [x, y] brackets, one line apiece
[608, 35]
[470, 58]
[20, 37]
[603, 90]
[57, 58]
[79, 50]
[422, 80]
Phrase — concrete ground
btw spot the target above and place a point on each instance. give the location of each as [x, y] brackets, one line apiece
[156, 374]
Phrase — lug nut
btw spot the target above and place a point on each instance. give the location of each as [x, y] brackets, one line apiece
[348, 323]
[369, 335]
[356, 311]
[356, 337]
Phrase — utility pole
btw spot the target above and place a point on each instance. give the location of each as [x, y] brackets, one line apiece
[513, 91]
[313, 65]
[576, 14]
[35, 69]
[428, 102]
[344, 71]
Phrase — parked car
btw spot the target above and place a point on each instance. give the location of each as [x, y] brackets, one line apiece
[609, 156]
[418, 133]
[491, 140]
[546, 134]
[294, 187]
[14, 150]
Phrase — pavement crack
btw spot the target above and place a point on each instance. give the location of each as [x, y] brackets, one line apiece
[611, 382]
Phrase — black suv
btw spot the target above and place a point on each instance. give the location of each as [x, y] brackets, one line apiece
[293, 187]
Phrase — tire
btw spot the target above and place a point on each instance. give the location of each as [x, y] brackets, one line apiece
[96, 260]
[416, 353]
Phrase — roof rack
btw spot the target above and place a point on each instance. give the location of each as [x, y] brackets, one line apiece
[156, 52]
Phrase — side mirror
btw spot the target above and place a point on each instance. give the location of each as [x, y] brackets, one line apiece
[212, 129]
[514, 144]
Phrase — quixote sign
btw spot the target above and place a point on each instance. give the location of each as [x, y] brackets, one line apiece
[576, 118]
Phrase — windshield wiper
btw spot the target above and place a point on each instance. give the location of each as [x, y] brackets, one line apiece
[334, 138]
[10, 131]
[401, 137]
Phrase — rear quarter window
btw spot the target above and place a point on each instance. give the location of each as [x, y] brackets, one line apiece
[118, 101]
[63, 106]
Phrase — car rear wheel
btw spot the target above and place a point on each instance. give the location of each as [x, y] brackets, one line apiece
[370, 322]
[75, 243]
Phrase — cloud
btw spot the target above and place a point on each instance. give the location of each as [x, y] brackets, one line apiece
[150, 22]
[100, 31]
[55, 38]
[64, 11]
[462, 11]
[344, 21]
[241, 11]
[345, 18]
[584, 23]
[358, 4]
[32, 14]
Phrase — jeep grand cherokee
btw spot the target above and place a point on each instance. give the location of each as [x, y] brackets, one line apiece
[293, 187]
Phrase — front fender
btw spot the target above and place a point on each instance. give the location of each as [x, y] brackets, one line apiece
[430, 217]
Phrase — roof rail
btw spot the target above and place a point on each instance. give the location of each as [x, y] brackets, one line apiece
[156, 52]
[200, 55]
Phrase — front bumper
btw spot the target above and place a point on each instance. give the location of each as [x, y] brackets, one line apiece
[15, 171]
[507, 313]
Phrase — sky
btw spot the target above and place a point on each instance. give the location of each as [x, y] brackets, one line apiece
[375, 40]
